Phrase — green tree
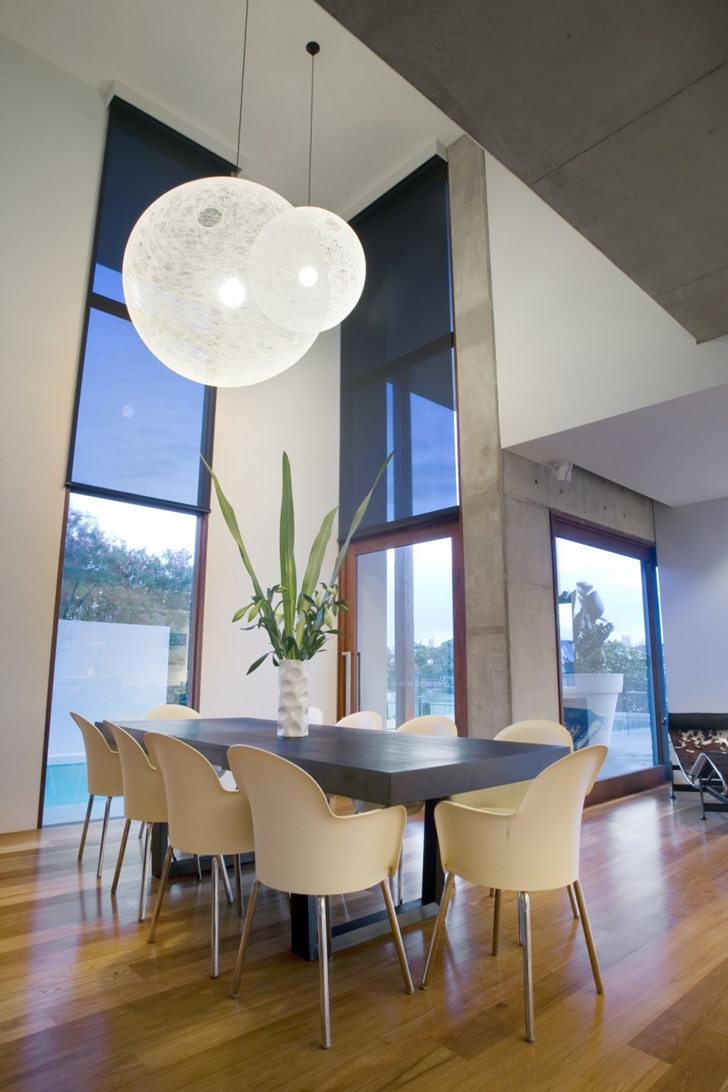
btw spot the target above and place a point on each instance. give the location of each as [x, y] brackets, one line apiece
[104, 580]
[632, 663]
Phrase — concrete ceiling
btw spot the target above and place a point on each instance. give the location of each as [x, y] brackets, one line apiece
[614, 112]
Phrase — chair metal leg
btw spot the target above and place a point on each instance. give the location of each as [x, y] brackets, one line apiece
[145, 872]
[524, 914]
[586, 926]
[401, 954]
[215, 919]
[439, 923]
[323, 946]
[160, 893]
[225, 880]
[496, 920]
[84, 832]
[572, 900]
[238, 883]
[120, 858]
[142, 825]
[104, 830]
[247, 926]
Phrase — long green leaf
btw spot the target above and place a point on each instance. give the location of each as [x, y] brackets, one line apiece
[287, 541]
[231, 520]
[257, 663]
[316, 557]
[358, 517]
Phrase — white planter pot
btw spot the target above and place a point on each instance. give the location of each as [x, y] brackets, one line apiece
[597, 695]
[293, 698]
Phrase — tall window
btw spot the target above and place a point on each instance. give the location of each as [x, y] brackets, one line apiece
[607, 628]
[126, 631]
[402, 577]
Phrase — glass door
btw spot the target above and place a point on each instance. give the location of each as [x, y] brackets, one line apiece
[400, 648]
[608, 648]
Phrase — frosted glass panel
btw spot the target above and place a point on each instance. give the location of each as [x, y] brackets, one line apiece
[104, 671]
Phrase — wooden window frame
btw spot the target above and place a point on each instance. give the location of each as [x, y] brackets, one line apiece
[448, 527]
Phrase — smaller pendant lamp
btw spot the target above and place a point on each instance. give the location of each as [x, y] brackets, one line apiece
[307, 269]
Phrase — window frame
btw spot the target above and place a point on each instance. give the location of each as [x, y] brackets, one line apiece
[644, 551]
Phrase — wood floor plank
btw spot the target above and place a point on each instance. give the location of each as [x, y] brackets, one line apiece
[88, 1006]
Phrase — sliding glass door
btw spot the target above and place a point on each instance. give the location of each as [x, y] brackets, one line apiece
[399, 654]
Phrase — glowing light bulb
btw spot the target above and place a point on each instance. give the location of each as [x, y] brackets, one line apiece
[232, 292]
[308, 276]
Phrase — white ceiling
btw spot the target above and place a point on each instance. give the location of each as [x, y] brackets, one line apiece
[675, 452]
[370, 125]
[370, 128]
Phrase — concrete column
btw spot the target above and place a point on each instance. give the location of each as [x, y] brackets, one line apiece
[481, 462]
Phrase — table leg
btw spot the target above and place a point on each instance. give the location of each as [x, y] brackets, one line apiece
[432, 874]
[304, 941]
[304, 937]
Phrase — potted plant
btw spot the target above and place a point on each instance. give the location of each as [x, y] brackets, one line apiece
[297, 621]
[589, 690]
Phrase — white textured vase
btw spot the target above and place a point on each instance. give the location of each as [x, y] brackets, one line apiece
[293, 698]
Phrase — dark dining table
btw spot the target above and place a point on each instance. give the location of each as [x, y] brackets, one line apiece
[381, 767]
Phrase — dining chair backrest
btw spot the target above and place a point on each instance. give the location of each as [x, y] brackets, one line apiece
[144, 796]
[198, 806]
[103, 766]
[172, 712]
[537, 731]
[315, 715]
[508, 797]
[365, 718]
[431, 724]
[533, 848]
[300, 845]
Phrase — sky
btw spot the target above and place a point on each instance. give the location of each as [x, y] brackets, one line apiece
[432, 572]
[141, 528]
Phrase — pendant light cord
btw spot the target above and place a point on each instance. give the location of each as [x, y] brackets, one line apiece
[242, 86]
[313, 48]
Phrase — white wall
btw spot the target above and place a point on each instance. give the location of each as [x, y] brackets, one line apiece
[52, 131]
[254, 426]
[693, 575]
[51, 139]
[572, 330]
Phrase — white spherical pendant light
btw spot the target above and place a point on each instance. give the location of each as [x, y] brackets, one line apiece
[307, 269]
[187, 284]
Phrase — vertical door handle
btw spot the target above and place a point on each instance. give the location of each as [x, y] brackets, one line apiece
[347, 683]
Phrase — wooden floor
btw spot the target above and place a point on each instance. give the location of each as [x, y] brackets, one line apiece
[87, 1004]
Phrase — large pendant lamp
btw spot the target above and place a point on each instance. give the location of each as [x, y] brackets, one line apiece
[228, 284]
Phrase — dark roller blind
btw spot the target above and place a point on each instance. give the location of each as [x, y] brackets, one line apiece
[397, 383]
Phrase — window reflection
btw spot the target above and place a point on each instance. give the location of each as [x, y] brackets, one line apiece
[606, 669]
